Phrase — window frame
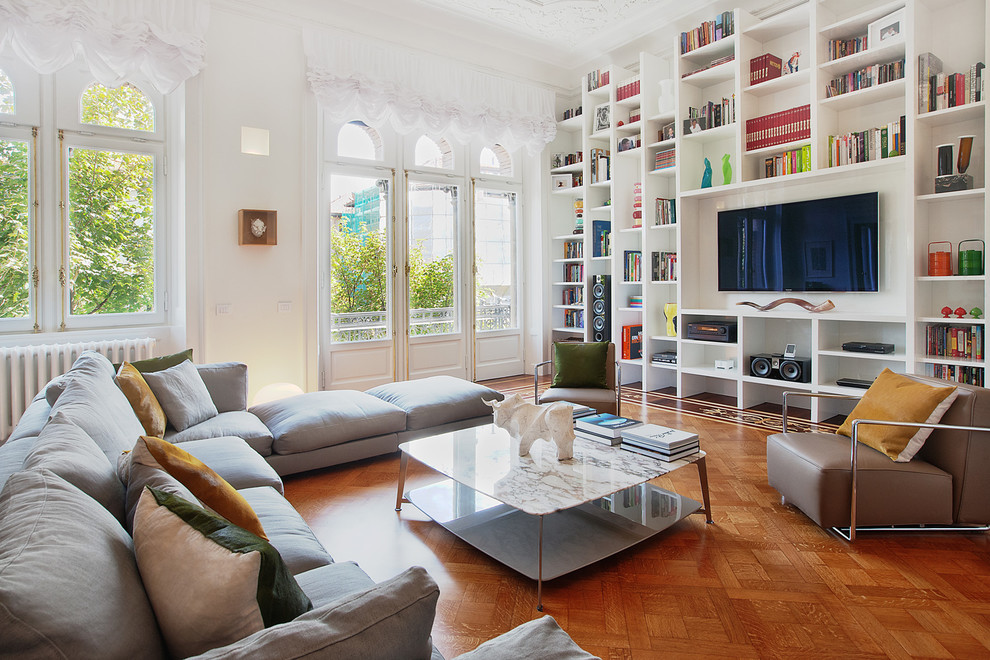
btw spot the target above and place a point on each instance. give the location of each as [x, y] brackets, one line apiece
[30, 322]
[504, 184]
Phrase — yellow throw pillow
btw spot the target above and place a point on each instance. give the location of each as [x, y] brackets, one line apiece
[209, 487]
[142, 400]
[897, 398]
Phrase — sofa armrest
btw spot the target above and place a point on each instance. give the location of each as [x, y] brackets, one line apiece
[227, 384]
[392, 619]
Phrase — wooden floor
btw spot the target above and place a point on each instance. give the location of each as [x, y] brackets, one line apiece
[762, 582]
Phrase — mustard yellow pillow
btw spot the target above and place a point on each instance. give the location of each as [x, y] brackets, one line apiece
[897, 398]
[209, 487]
[142, 400]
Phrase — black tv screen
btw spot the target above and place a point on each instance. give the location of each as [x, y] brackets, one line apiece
[827, 244]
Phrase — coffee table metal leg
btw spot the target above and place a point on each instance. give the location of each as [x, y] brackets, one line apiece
[403, 461]
[539, 577]
[703, 474]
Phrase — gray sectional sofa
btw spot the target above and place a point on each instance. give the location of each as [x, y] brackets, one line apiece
[69, 580]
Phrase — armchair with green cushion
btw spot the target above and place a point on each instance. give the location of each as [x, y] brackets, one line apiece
[582, 372]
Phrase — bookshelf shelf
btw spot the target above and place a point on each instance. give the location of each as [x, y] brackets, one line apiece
[571, 124]
[712, 51]
[874, 94]
[711, 134]
[963, 112]
[777, 148]
[972, 193]
[864, 59]
[858, 23]
[568, 169]
[781, 84]
[707, 77]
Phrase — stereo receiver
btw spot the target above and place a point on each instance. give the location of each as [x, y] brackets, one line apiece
[711, 331]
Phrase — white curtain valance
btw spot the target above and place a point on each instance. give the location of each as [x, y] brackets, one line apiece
[356, 79]
[162, 40]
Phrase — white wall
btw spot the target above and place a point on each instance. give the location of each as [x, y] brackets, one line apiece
[255, 76]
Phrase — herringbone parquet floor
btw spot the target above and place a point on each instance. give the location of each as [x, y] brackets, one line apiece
[762, 582]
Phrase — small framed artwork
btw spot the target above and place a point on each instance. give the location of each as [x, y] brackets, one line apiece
[257, 227]
[887, 30]
[560, 181]
[556, 160]
[603, 117]
[695, 125]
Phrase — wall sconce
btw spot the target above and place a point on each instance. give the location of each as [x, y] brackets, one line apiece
[256, 227]
[254, 141]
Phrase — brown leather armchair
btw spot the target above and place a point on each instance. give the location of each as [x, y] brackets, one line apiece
[847, 486]
[607, 400]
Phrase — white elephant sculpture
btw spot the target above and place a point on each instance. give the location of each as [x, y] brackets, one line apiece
[529, 422]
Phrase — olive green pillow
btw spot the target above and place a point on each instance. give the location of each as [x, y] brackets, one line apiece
[161, 363]
[577, 364]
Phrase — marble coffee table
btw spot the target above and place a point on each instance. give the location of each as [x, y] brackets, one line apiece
[540, 516]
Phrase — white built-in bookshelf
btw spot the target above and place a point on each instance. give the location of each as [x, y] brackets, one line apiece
[905, 312]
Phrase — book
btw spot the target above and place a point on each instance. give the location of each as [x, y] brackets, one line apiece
[657, 456]
[594, 437]
[686, 450]
[606, 424]
[632, 341]
[661, 436]
[579, 409]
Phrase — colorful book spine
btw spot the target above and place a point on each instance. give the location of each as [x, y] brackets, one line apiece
[666, 212]
[778, 128]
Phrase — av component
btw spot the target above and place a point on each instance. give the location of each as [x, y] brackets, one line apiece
[778, 367]
[724, 331]
[867, 347]
[790, 350]
[725, 365]
[854, 382]
[601, 321]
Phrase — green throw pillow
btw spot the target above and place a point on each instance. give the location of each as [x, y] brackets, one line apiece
[580, 364]
[154, 364]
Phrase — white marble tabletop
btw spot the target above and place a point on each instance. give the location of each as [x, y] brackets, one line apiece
[486, 459]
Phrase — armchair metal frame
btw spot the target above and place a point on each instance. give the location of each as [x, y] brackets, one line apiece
[618, 384]
[849, 533]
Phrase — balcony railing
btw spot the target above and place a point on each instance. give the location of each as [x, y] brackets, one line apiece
[368, 326]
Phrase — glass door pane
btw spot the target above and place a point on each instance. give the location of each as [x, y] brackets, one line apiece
[495, 259]
[15, 263]
[359, 259]
[433, 210]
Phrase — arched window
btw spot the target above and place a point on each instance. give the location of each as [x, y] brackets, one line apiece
[124, 107]
[7, 105]
[434, 153]
[358, 140]
[496, 160]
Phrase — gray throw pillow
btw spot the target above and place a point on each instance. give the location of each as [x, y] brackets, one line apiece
[66, 450]
[539, 639]
[182, 394]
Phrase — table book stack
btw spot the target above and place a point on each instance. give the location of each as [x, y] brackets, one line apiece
[604, 427]
[660, 442]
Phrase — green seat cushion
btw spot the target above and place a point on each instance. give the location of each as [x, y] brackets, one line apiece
[580, 364]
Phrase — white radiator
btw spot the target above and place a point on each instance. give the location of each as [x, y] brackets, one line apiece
[24, 370]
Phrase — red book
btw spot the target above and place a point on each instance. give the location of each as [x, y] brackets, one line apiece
[626, 341]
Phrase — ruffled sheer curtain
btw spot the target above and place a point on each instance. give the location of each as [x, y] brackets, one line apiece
[162, 40]
[355, 79]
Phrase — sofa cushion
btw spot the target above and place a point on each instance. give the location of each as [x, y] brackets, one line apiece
[142, 399]
[580, 364]
[66, 450]
[898, 398]
[437, 400]
[53, 535]
[183, 395]
[136, 476]
[210, 582]
[393, 619]
[32, 420]
[811, 470]
[238, 423]
[93, 402]
[162, 362]
[322, 419]
[539, 639]
[203, 482]
[287, 531]
[227, 383]
[235, 461]
[12, 455]
[328, 583]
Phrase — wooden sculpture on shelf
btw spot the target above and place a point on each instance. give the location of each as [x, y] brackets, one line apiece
[823, 307]
[529, 422]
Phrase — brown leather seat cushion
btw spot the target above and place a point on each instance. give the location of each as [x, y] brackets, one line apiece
[811, 470]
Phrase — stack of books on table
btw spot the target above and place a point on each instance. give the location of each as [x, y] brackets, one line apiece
[579, 409]
[660, 442]
[604, 427]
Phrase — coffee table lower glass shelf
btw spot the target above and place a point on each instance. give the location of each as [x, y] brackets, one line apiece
[573, 538]
[540, 516]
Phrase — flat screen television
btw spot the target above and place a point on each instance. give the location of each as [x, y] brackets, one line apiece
[829, 244]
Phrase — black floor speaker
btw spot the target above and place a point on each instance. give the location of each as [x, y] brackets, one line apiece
[601, 317]
[776, 366]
